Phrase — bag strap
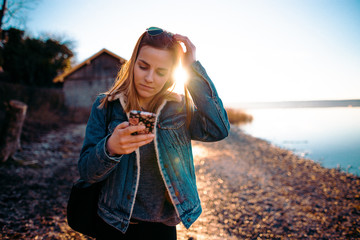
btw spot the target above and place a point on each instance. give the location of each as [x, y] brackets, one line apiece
[109, 111]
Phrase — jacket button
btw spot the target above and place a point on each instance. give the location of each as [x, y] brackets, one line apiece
[166, 165]
[189, 219]
[128, 197]
[122, 225]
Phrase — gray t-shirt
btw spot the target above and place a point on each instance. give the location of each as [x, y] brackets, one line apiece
[151, 204]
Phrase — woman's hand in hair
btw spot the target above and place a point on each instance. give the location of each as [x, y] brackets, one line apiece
[190, 55]
[122, 142]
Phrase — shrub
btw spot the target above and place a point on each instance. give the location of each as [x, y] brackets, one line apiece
[237, 116]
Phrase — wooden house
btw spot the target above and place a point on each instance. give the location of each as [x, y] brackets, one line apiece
[85, 81]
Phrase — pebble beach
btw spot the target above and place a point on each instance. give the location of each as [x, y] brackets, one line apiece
[249, 189]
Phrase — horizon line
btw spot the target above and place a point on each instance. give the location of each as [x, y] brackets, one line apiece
[295, 101]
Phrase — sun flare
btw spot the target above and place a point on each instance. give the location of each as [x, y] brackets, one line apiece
[181, 77]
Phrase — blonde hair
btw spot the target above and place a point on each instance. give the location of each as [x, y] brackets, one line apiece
[124, 82]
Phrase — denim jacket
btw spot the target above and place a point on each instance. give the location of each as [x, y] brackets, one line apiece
[120, 175]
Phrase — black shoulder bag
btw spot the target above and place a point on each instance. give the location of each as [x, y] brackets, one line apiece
[83, 201]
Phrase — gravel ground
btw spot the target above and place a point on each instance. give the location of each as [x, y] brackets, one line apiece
[249, 190]
[253, 190]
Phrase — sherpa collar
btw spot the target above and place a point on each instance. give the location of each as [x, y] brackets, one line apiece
[172, 97]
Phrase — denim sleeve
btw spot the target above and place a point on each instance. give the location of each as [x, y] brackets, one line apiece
[94, 163]
[209, 120]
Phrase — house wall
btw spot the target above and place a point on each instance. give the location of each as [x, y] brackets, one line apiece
[82, 93]
[82, 86]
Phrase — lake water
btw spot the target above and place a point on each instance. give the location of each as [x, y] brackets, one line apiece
[330, 136]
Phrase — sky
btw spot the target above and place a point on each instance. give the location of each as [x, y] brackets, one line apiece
[254, 51]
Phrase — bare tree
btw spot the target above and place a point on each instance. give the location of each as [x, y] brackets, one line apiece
[2, 12]
[13, 12]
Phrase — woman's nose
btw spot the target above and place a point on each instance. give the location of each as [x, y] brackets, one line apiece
[149, 77]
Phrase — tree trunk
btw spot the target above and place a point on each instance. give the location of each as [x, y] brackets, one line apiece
[14, 121]
[2, 13]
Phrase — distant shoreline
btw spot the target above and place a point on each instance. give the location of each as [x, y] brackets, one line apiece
[299, 104]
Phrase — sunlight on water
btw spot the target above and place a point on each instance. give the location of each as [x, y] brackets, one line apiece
[330, 136]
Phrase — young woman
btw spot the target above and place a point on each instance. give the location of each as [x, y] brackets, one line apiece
[149, 183]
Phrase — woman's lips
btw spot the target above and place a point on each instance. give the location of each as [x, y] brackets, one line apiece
[146, 87]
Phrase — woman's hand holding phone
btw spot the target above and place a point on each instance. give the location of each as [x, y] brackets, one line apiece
[122, 141]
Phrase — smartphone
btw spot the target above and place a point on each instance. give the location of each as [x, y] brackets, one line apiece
[142, 118]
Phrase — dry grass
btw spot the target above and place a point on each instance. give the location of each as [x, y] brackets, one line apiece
[237, 116]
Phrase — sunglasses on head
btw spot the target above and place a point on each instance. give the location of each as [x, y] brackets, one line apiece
[154, 31]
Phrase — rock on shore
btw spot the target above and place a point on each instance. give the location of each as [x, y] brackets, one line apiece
[249, 190]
